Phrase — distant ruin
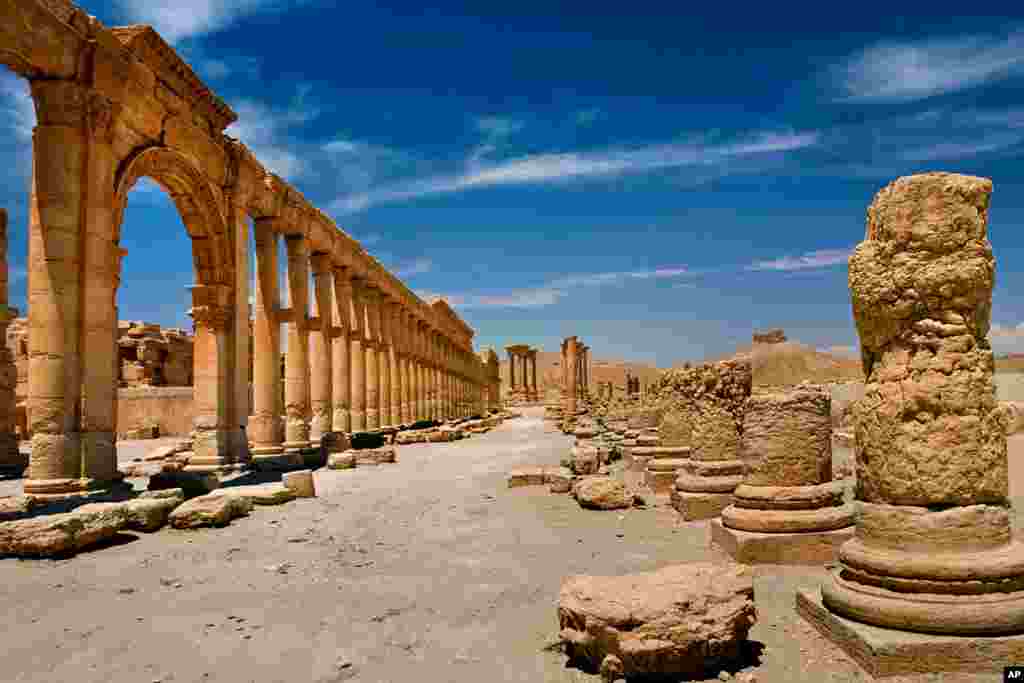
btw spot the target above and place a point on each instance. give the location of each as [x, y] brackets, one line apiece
[774, 336]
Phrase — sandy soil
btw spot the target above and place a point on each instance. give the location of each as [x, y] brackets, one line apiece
[427, 570]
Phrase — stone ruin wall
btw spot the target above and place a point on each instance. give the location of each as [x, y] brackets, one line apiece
[774, 336]
[154, 377]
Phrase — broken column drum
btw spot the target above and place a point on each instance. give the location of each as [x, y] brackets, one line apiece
[934, 550]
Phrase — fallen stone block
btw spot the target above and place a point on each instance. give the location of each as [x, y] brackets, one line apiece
[409, 437]
[61, 534]
[260, 494]
[684, 620]
[342, 461]
[300, 483]
[560, 480]
[602, 493]
[210, 510]
[146, 513]
[192, 484]
[376, 456]
[15, 507]
[527, 475]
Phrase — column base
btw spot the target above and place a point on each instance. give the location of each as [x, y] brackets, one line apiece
[63, 488]
[806, 548]
[986, 614]
[888, 652]
[290, 446]
[698, 506]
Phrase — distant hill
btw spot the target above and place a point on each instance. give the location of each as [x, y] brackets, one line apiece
[791, 362]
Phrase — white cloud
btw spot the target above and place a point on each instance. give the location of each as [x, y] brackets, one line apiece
[572, 166]
[182, 19]
[551, 292]
[417, 266]
[498, 126]
[265, 130]
[16, 105]
[901, 72]
[822, 258]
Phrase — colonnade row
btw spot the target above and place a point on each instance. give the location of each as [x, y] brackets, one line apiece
[114, 105]
[576, 372]
[359, 360]
[522, 373]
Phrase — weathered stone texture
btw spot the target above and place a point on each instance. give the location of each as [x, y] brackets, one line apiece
[688, 619]
[928, 430]
[933, 551]
[214, 509]
[787, 438]
[602, 493]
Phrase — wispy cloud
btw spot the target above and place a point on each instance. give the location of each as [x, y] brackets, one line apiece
[822, 258]
[907, 71]
[183, 19]
[552, 291]
[586, 117]
[576, 166]
[417, 266]
[498, 126]
[266, 131]
[16, 105]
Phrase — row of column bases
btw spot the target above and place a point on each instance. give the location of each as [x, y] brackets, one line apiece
[522, 373]
[359, 362]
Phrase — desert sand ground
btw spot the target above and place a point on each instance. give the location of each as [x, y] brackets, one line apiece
[427, 570]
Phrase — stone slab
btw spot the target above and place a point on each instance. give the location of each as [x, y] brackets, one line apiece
[809, 548]
[697, 506]
[887, 652]
[660, 482]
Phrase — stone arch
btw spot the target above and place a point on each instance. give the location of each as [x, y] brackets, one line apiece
[197, 203]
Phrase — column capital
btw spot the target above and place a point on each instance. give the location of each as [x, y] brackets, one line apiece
[320, 262]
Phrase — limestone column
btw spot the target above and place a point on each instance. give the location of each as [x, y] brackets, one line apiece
[384, 362]
[421, 399]
[511, 371]
[296, 363]
[533, 375]
[572, 376]
[211, 316]
[408, 414]
[787, 506]
[57, 210]
[100, 269]
[435, 376]
[357, 359]
[414, 365]
[934, 549]
[321, 373]
[395, 362]
[265, 427]
[341, 382]
[11, 460]
[372, 331]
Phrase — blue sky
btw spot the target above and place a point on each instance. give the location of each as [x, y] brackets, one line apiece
[660, 184]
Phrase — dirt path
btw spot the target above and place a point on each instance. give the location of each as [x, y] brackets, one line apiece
[428, 570]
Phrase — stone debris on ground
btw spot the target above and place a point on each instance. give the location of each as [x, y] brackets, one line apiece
[681, 620]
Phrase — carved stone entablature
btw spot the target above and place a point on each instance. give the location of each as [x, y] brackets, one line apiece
[154, 52]
[215, 318]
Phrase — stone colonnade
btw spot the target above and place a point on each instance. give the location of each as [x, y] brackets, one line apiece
[114, 105]
[522, 373]
[575, 367]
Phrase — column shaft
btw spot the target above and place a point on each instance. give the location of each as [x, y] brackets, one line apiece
[321, 373]
[265, 425]
[341, 384]
[296, 380]
[357, 359]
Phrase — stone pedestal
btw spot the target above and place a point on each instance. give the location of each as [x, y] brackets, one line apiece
[812, 548]
[934, 550]
[885, 652]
